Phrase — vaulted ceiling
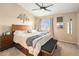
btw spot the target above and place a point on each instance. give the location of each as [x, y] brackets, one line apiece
[55, 9]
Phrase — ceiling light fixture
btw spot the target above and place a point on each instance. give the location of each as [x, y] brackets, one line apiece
[42, 9]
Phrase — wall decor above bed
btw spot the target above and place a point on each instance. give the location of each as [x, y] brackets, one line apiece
[23, 17]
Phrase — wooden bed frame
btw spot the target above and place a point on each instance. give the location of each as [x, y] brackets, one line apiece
[20, 27]
[21, 48]
[18, 46]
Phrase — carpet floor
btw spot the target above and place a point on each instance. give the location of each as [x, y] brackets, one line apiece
[11, 52]
[64, 49]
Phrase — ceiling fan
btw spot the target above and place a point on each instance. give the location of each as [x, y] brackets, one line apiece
[42, 7]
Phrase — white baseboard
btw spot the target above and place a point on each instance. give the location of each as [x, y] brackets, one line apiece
[68, 42]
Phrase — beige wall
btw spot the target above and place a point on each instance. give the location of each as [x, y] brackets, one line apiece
[8, 15]
[37, 20]
[61, 34]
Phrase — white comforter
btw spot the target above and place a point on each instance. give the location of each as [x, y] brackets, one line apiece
[22, 37]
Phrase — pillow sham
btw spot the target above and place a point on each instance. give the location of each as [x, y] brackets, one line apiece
[18, 32]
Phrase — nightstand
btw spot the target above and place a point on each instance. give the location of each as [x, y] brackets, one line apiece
[6, 41]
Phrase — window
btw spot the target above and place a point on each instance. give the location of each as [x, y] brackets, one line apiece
[45, 25]
[69, 26]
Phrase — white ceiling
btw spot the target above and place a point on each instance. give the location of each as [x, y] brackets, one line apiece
[56, 8]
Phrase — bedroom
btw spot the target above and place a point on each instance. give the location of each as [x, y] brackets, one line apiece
[64, 30]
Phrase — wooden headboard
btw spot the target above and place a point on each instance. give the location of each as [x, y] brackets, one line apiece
[20, 27]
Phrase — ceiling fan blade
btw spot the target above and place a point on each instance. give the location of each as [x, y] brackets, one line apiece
[49, 5]
[37, 4]
[35, 9]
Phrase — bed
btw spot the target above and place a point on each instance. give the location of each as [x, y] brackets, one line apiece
[21, 39]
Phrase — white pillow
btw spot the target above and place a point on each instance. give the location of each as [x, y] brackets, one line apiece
[18, 32]
[34, 31]
[30, 31]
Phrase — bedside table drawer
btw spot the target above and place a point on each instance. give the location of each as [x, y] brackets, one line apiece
[6, 42]
[7, 38]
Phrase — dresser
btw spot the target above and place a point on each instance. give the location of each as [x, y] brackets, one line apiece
[6, 41]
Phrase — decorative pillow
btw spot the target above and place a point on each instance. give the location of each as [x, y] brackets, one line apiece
[29, 31]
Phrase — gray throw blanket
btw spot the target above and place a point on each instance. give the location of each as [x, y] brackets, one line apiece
[30, 40]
